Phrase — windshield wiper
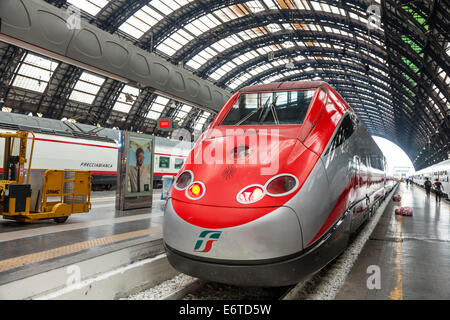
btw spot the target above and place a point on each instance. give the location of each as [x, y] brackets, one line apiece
[274, 112]
[253, 112]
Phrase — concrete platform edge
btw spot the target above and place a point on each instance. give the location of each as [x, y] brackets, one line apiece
[76, 271]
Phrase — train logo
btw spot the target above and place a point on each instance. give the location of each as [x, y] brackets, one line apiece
[207, 238]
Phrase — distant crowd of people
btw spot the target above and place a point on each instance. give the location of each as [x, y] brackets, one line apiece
[439, 188]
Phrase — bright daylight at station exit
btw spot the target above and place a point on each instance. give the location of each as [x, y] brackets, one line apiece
[227, 156]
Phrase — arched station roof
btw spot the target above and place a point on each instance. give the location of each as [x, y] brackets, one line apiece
[389, 59]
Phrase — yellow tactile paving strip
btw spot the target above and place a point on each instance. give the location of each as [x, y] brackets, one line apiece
[13, 263]
[27, 233]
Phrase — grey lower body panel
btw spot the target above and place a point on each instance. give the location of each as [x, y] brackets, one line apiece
[265, 273]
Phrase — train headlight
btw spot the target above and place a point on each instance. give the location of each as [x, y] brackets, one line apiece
[250, 194]
[184, 180]
[281, 185]
[196, 190]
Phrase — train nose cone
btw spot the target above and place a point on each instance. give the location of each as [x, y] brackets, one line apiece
[227, 164]
[241, 162]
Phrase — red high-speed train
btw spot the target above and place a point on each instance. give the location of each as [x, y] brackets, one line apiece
[273, 189]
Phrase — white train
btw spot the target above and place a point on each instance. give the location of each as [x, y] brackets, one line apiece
[64, 145]
[169, 157]
[439, 171]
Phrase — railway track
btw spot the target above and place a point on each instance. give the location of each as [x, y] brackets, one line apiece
[183, 287]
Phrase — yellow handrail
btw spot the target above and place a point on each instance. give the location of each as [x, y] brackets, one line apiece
[31, 158]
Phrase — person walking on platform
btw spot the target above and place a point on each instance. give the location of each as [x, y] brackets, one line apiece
[407, 181]
[428, 186]
[439, 188]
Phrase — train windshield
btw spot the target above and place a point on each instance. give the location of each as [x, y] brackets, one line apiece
[270, 108]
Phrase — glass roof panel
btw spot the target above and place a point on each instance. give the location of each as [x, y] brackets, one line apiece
[186, 108]
[202, 120]
[162, 100]
[271, 4]
[126, 99]
[198, 126]
[158, 106]
[141, 21]
[150, 15]
[166, 49]
[183, 112]
[193, 63]
[86, 88]
[153, 115]
[180, 116]
[90, 6]
[255, 6]
[35, 73]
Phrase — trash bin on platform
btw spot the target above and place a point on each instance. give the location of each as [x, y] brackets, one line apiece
[167, 182]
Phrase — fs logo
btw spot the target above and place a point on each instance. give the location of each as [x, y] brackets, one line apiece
[206, 239]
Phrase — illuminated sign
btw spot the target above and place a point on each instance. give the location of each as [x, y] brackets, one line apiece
[165, 124]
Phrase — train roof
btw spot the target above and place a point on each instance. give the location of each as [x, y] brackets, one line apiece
[444, 165]
[287, 85]
[20, 122]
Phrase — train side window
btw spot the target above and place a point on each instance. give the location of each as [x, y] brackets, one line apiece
[344, 132]
[348, 127]
[164, 162]
[364, 161]
[376, 162]
[179, 163]
[373, 162]
[337, 101]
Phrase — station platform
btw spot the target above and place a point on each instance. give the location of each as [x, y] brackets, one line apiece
[412, 253]
[38, 247]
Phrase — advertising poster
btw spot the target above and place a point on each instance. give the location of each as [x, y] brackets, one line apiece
[139, 169]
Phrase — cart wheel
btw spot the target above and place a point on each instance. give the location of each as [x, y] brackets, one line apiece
[60, 219]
